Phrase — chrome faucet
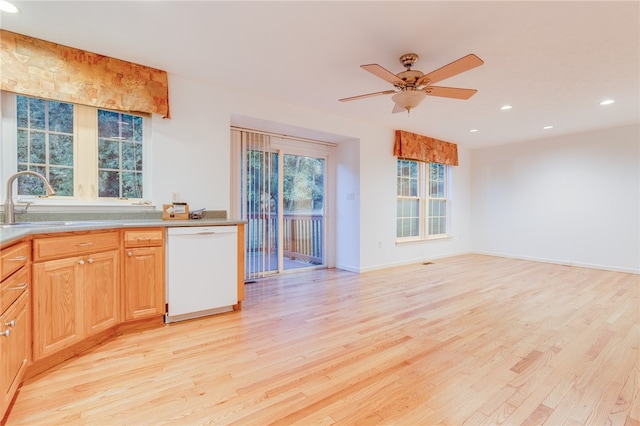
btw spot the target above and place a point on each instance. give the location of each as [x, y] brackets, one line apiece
[9, 208]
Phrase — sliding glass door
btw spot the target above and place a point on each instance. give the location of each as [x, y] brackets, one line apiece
[283, 199]
[303, 211]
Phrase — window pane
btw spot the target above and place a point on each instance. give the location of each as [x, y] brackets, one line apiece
[37, 113]
[60, 117]
[22, 107]
[23, 146]
[61, 150]
[109, 183]
[108, 154]
[108, 126]
[126, 127]
[37, 153]
[61, 178]
[137, 129]
[129, 156]
[131, 185]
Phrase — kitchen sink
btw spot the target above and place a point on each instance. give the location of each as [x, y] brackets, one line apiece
[53, 224]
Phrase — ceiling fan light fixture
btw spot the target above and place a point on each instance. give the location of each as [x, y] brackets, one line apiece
[409, 99]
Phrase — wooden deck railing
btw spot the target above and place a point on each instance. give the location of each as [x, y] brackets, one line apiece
[302, 235]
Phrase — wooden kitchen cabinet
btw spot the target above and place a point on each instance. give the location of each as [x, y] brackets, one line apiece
[143, 273]
[74, 297]
[15, 325]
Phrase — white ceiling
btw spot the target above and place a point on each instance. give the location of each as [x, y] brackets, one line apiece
[553, 61]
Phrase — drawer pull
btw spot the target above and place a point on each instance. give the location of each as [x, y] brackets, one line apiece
[85, 244]
[20, 286]
[11, 323]
[129, 254]
[6, 333]
[144, 238]
[18, 258]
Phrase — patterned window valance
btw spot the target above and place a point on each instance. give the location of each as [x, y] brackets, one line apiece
[39, 68]
[423, 148]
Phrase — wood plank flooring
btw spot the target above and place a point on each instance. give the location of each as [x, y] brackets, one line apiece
[470, 339]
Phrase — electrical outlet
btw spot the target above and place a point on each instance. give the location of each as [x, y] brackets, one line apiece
[175, 197]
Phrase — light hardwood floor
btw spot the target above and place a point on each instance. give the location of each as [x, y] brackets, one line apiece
[467, 340]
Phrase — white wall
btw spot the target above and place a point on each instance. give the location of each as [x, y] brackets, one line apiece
[571, 200]
[348, 206]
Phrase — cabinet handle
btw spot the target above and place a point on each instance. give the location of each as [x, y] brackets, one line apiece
[20, 286]
[129, 254]
[18, 258]
[144, 238]
[90, 260]
[6, 333]
[81, 262]
[85, 244]
[11, 323]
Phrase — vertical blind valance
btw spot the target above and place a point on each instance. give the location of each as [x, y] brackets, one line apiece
[39, 68]
[412, 146]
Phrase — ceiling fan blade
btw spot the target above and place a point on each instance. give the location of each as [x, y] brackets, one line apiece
[450, 92]
[456, 67]
[383, 73]
[368, 95]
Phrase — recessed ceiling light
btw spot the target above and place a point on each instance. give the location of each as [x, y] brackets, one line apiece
[473, 130]
[547, 127]
[505, 107]
[5, 6]
[607, 102]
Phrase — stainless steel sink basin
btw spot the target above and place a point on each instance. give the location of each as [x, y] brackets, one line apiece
[53, 224]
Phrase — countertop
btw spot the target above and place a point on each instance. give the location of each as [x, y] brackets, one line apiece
[9, 234]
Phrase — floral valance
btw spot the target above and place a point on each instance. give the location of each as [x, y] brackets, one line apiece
[412, 146]
[47, 70]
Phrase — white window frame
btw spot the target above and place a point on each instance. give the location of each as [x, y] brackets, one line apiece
[85, 146]
[424, 198]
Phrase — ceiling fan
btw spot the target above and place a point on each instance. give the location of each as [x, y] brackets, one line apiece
[412, 86]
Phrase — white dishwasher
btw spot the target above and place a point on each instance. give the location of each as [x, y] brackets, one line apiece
[202, 268]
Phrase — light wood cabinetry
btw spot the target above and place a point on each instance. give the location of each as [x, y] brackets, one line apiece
[15, 326]
[143, 273]
[76, 289]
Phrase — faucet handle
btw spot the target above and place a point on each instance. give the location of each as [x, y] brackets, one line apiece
[23, 210]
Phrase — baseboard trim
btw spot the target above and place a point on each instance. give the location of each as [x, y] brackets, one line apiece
[560, 262]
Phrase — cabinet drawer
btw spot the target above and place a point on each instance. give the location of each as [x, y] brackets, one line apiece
[143, 237]
[13, 258]
[57, 247]
[13, 287]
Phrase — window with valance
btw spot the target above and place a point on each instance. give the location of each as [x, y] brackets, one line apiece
[423, 186]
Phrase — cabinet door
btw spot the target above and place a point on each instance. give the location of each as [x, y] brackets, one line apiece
[14, 348]
[57, 305]
[144, 286]
[100, 289]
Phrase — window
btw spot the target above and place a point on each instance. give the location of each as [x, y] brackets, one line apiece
[86, 153]
[45, 145]
[422, 205]
[119, 155]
